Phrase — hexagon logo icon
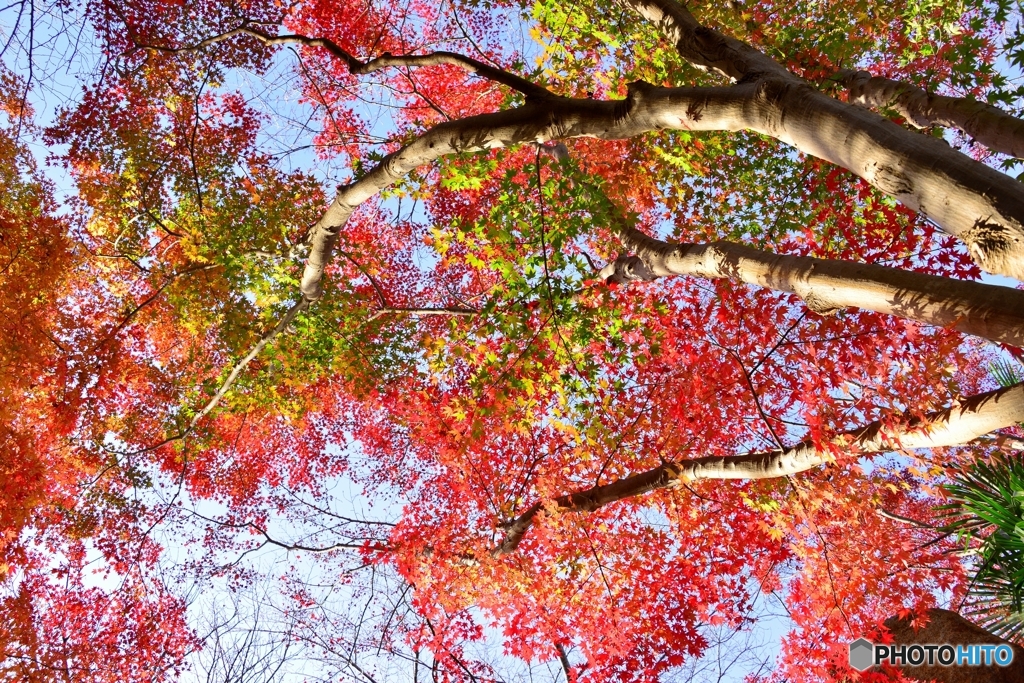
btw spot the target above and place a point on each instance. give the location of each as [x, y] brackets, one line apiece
[861, 654]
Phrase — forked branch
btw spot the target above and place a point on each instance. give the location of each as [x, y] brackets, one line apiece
[889, 157]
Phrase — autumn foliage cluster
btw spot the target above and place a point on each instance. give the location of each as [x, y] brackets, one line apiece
[386, 463]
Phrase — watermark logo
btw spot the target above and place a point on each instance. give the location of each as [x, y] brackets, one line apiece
[864, 654]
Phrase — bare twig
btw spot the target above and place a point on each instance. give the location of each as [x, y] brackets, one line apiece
[359, 67]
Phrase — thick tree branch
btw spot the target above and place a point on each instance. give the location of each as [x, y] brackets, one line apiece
[988, 311]
[989, 125]
[703, 47]
[959, 424]
[886, 156]
[982, 206]
[978, 204]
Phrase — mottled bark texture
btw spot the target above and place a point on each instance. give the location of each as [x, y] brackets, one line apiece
[958, 424]
[703, 47]
[989, 311]
[970, 200]
[977, 204]
[988, 125]
[949, 627]
[981, 206]
[917, 170]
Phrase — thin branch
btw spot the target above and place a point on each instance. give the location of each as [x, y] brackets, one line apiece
[411, 310]
[882, 512]
[453, 310]
[358, 67]
[226, 385]
[148, 300]
[757, 401]
[487, 71]
[373, 282]
[304, 548]
[281, 326]
[973, 417]
[564, 659]
[824, 551]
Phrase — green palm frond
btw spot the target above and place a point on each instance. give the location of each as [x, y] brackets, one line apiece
[990, 607]
[987, 512]
[1006, 372]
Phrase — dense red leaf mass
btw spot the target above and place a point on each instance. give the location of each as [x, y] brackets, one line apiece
[165, 431]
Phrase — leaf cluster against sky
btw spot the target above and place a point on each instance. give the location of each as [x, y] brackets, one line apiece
[178, 412]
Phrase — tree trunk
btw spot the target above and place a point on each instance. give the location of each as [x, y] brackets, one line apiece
[988, 311]
[945, 627]
[988, 125]
[973, 417]
[918, 169]
[981, 206]
[977, 204]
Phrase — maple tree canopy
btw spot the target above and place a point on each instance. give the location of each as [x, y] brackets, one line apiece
[483, 340]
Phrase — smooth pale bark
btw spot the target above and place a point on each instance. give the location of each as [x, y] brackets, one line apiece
[540, 120]
[972, 418]
[516, 126]
[979, 205]
[988, 125]
[917, 169]
[705, 48]
[989, 311]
